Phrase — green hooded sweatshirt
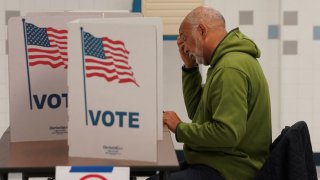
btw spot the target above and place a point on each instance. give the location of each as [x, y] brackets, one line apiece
[231, 116]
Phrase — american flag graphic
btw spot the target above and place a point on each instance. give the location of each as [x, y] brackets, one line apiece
[108, 59]
[46, 46]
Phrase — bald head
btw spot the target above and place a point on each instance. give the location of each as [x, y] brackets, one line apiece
[200, 33]
[205, 15]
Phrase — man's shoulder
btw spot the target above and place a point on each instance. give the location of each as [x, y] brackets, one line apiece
[236, 60]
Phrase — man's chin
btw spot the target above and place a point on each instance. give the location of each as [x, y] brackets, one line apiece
[200, 60]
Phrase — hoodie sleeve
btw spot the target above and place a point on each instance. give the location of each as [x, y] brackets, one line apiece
[227, 103]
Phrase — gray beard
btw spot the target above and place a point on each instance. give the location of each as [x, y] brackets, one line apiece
[198, 59]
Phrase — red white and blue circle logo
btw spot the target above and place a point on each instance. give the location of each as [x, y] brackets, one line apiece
[93, 177]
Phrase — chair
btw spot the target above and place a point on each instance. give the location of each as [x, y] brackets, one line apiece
[291, 156]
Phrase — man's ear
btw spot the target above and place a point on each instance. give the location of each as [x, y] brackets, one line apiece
[202, 30]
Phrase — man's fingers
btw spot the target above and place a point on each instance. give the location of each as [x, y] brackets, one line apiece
[171, 119]
[166, 115]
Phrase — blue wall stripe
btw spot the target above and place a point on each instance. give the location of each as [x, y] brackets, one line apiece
[136, 6]
[170, 37]
[316, 32]
[273, 31]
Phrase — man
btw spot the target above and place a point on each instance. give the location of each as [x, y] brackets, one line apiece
[230, 133]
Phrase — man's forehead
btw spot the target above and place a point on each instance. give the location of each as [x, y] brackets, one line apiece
[183, 27]
[181, 30]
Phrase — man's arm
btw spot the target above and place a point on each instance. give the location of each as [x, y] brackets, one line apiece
[192, 89]
[227, 101]
[191, 79]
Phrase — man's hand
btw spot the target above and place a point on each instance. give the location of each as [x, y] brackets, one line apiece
[171, 119]
[188, 60]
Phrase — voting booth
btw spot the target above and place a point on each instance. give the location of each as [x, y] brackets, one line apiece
[113, 80]
[38, 65]
[157, 22]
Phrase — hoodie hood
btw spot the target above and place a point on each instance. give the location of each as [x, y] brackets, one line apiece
[235, 41]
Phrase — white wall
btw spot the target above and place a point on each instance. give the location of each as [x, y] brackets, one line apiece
[173, 97]
[300, 71]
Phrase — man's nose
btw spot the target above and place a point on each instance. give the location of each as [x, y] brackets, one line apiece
[185, 50]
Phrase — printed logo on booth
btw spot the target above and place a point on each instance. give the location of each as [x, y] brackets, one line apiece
[93, 177]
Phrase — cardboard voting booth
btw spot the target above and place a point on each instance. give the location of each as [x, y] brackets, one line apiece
[92, 173]
[157, 22]
[38, 64]
[113, 84]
